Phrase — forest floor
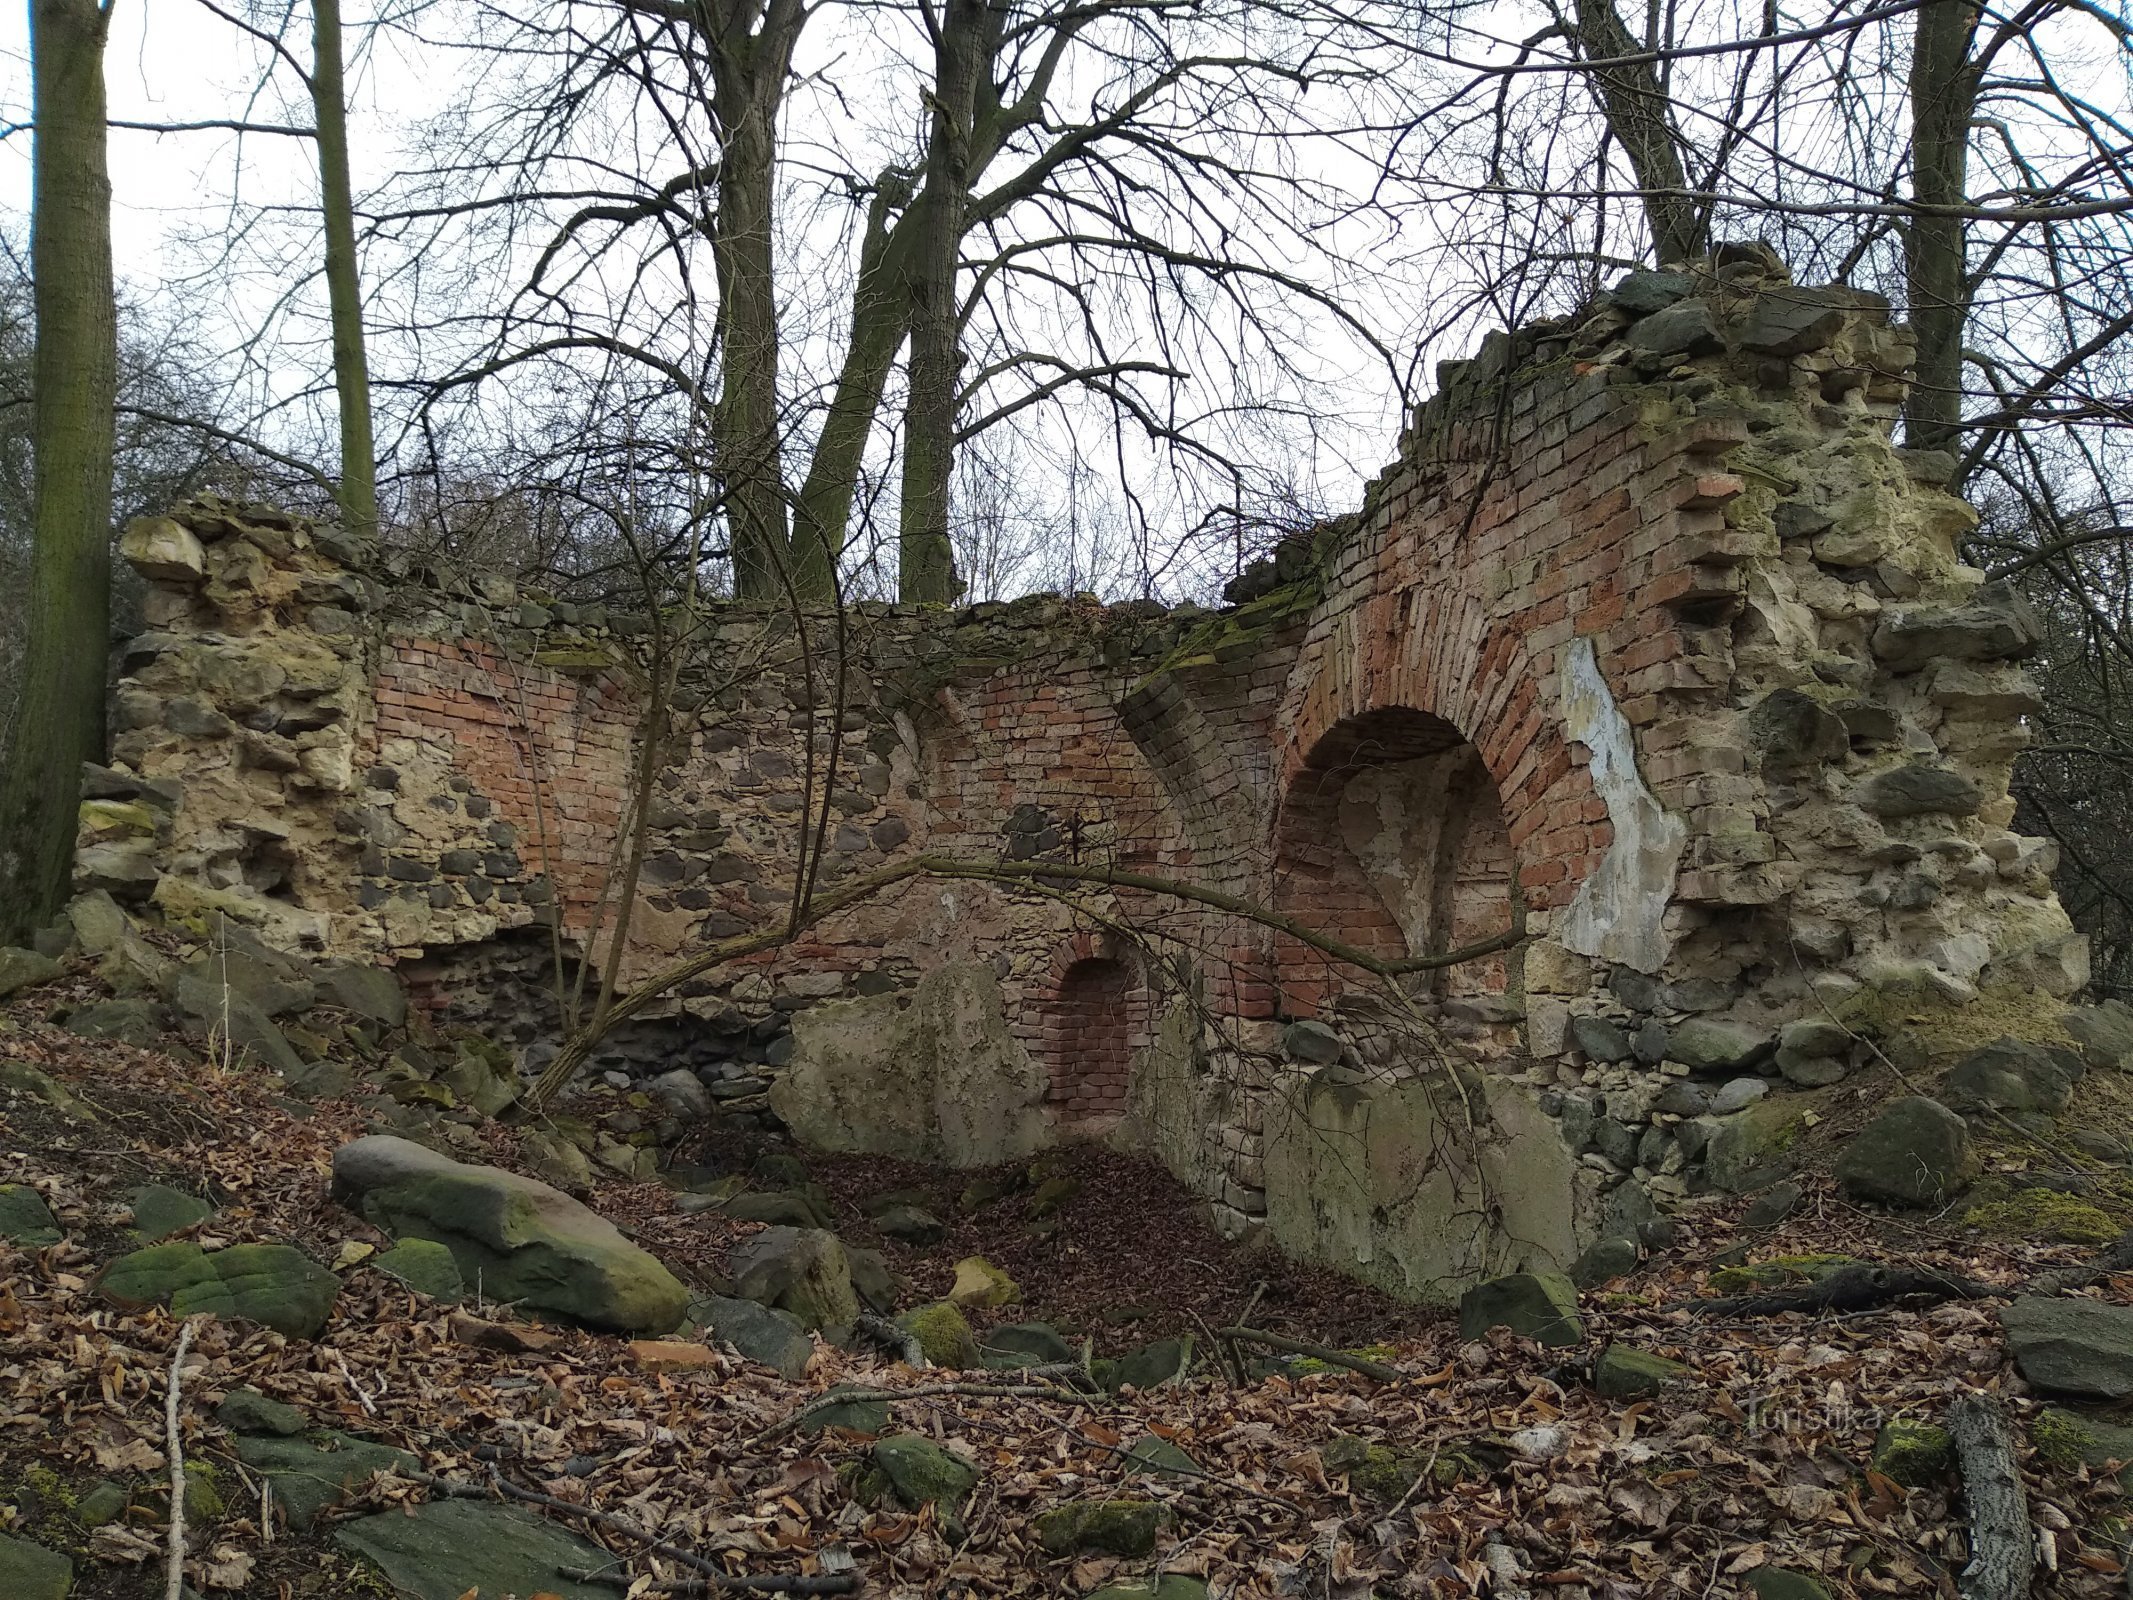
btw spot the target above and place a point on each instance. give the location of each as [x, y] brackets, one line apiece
[1489, 1466]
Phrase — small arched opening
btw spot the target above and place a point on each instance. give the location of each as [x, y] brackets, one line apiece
[1093, 1024]
[1393, 838]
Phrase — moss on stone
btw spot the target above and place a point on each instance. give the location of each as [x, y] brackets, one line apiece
[943, 1332]
[1777, 1271]
[1914, 1454]
[2044, 1214]
[2059, 1439]
[1105, 1527]
[917, 1472]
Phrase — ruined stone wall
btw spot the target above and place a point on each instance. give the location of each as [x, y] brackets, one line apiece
[1650, 658]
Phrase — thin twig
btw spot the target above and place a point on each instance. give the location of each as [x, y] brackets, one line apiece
[174, 1578]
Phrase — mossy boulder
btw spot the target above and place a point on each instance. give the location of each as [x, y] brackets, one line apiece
[2043, 1214]
[761, 1333]
[1152, 1453]
[804, 1271]
[1753, 1147]
[426, 1267]
[19, 1077]
[273, 1284]
[2069, 1346]
[1538, 1305]
[514, 1238]
[160, 1211]
[24, 1217]
[249, 1411]
[101, 1505]
[313, 1471]
[1102, 1527]
[1154, 1364]
[917, 1472]
[980, 1285]
[1381, 1473]
[2066, 1440]
[1915, 1153]
[1782, 1583]
[1914, 1454]
[1053, 1193]
[20, 969]
[1024, 1344]
[448, 1549]
[1624, 1372]
[31, 1572]
[943, 1332]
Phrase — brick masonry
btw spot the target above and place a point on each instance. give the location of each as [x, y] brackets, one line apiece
[1781, 786]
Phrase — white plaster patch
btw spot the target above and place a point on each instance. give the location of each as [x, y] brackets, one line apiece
[1619, 911]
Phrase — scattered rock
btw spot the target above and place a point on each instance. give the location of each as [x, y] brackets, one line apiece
[25, 1219]
[1776, 1203]
[1914, 1454]
[1915, 1153]
[1782, 1583]
[682, 1093]
[761, 1333]
[1152, 1453]
[447, 1549]
[943, 1333]
[136, 1021]
[370, 994]
[911, 1224]
[2104, 1033]
[1604, 1261]
[160, 1211]
[1625, 1373]
[918, 1472]
[20, 968]
[31, 1572]
[426, 1267]
[249, 1411]
[981, 1285]
[2013, 1075]
[273, 1284]
[1053, 1193]
[2076, 1347]
[1024, 1344]
[1153, 1365]
[776, 1208]
[804, 1271]
[314, 1471]
[1538, 1305]
[2067, 1439]
[1752, 1147]
[1313, 1043]
[1102, 1527]
[19, 1077]
[515, 1238]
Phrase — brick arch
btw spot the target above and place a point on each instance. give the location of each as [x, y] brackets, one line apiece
[1435, 652]
[1096, 1014]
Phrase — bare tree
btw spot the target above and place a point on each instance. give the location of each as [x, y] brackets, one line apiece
[59, 717]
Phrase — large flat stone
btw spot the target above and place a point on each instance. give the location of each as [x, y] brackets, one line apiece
[2075, 1347]
[515, 1238]
[448, 1549]
[273, 1284]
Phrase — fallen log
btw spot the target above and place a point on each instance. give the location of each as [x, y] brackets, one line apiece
[2003, 1553]
[1297, 1347]
[1857, 1288]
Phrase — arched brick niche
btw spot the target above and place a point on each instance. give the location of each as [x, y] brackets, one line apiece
[1095, 1017]
[1392, 837]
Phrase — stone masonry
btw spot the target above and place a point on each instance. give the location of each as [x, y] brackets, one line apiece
[1649, 666]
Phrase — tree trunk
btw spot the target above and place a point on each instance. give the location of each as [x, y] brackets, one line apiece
[1943, 93]
[969, 35]
[1637, 111]
[344, 290]
[748, 85]
[879, 321]
[59, 721]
